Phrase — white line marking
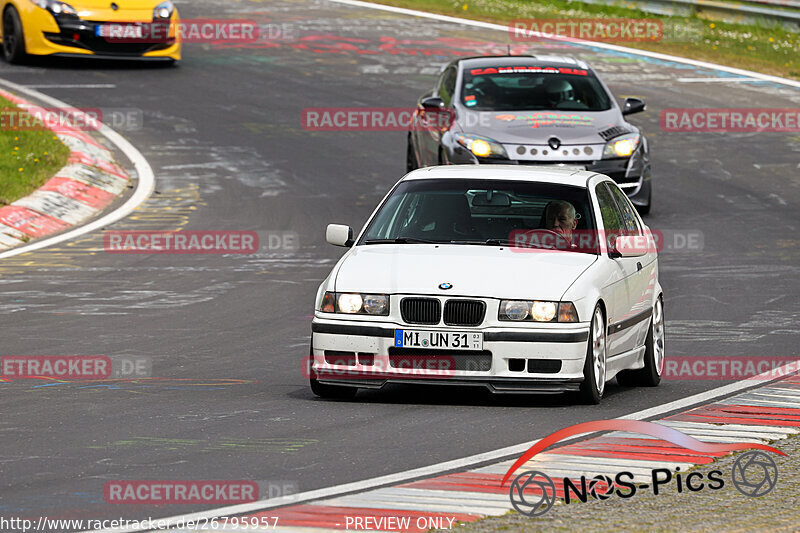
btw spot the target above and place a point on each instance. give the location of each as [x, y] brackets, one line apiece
[605, 46]
[425, 502]
[72, 86]
[604, 461]
[764, 431]
[145, 184]
[717, 80]
[443, 494]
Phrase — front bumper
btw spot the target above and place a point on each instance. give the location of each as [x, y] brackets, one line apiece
[75, 38]
[632, 174]
[536, 359]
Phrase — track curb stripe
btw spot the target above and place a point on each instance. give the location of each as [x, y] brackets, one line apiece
[80, 190]
[479, 490]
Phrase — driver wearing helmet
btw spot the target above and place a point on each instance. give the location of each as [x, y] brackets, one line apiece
[559, 91]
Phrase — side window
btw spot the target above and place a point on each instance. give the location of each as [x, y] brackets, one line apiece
[629, 216]
[448, 85]
[612, 217]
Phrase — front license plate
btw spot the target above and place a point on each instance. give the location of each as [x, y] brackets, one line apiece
[564, 166]
[119, 31]
[441, 340]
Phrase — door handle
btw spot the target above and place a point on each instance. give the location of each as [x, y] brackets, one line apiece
[638, 266]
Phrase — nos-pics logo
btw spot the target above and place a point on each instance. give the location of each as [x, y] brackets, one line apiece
[533, 493]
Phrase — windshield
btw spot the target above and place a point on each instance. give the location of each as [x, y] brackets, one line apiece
[477, 212]
[532, 88]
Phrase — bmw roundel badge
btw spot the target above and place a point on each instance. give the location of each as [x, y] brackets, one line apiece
[444, 286]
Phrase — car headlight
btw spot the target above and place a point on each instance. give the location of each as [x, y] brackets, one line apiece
[355, 303]
[482, 146]
[163, 11]
[56, 7]
[622, 146]
[537, 311]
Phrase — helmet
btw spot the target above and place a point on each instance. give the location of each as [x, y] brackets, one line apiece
[559, 91]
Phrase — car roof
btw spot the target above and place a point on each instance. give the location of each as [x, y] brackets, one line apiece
[539, 60]
[560, 176]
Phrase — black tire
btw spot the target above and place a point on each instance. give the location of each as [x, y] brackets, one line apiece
[650, 375]
[334, 392]
[411, 158]
[592, 388]
[13, 37]
[645, 209]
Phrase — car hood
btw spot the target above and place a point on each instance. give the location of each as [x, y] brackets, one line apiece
[127, 10]
[536, 127]
[473, 270]
[123, 4]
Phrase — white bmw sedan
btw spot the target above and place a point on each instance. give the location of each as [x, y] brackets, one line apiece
[516, 279]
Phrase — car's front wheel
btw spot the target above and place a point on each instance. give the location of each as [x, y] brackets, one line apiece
[594, 369]
[411, 158]
[654, 354]
[13, 39]
[645, 209]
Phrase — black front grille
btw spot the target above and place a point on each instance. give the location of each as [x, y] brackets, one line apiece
[335, 357]
[100, 45]
[613, 131]
[420, 310]
[544, 366]
[464, 312]
[554, 162]
[441, 360]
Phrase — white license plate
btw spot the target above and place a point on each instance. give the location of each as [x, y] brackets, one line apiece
[119, 31]
[564, 166]
[440, 340]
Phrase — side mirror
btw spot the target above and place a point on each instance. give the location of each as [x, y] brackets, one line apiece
[633, 105]
[339, 235]
[432, 102]
[631, 245]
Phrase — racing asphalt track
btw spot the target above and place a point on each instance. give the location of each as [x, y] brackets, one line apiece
[226, 333]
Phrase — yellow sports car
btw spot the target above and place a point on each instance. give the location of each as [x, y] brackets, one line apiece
[114, 29]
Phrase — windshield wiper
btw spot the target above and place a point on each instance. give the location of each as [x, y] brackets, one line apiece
[507, 242]
[497, 242]
[400, 240]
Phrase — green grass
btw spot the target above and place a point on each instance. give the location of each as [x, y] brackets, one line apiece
[27, 158]
[769, 50]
